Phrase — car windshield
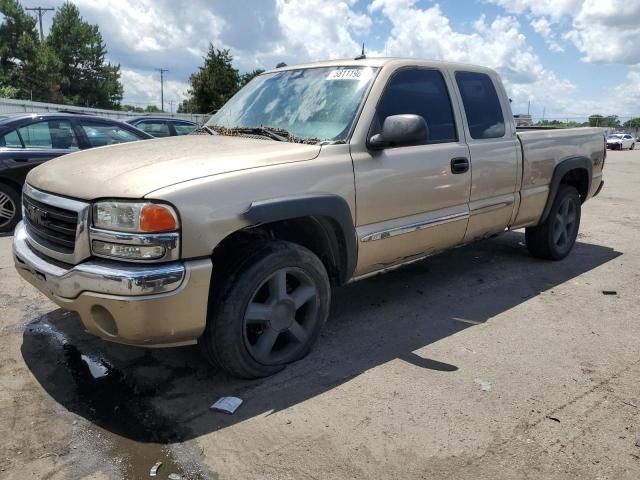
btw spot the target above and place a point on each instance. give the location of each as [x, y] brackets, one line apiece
[309, 105]
[615, 137]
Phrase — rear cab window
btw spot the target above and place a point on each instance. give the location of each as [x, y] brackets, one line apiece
[423, 92]
[481, 105]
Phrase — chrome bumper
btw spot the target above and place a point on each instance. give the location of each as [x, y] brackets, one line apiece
[99, 276]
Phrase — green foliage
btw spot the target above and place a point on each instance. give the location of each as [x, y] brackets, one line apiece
[68, 67]
[215, 82]
[152, 109]
[632, 123]
[131, 108]
[560, 124]
[610, 121]
[18, 47]
[86, 79]
[247, 77]
[8, 92]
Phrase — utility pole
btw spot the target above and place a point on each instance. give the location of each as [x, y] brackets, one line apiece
[171, 102]
[162, 72]
[40, 12]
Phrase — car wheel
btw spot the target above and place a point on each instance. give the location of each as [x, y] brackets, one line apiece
[9, 208]
[554, 239]
[633, 146]
[269, 311]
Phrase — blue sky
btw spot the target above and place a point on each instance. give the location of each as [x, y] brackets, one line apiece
[569, 58]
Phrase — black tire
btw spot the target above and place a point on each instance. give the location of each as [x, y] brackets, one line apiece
[274, 278]
[10, 208]
[554, 239]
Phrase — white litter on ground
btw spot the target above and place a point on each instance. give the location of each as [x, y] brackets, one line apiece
[226, 405]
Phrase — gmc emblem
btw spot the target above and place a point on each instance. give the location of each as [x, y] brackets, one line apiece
[36, 215]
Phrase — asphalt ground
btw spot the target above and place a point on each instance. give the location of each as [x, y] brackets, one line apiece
[478, 363]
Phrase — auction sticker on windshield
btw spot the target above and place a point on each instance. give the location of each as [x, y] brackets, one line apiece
[349, 74]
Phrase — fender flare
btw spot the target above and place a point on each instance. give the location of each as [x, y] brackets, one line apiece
[332, 206]
[566, 165]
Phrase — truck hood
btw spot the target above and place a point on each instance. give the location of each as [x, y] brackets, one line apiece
[132, 170]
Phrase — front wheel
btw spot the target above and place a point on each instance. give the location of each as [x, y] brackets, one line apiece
[554, 239]
[9, 208]
[268, 312]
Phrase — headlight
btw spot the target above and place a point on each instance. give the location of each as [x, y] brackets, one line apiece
[139, 217]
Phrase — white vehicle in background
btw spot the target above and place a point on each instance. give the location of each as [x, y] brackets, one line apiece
[621, 141]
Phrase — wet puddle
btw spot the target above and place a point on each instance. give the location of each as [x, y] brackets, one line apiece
[117, 407]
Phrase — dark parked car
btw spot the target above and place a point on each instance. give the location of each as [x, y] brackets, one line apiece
[163, 126]
[27, 140]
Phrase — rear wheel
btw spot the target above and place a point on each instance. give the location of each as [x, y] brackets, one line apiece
[268, 312]
[9, 208]
[554, 239]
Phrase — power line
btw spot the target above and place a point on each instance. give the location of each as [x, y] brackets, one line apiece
[41, 11]
[162, 72]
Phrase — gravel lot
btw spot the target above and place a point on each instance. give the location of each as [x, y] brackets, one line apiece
[480, 363]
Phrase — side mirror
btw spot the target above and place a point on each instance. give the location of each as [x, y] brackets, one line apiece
[399, 130]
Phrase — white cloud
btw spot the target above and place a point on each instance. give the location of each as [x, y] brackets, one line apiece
[542, 26]
[143, 88]
[498, 44]
[604, 31]
[319, 29]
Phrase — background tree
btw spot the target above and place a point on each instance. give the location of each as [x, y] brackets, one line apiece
[610, 121]
[18, 47]
[213, 84]
[85, 77]
[247, 77]
[632, 123]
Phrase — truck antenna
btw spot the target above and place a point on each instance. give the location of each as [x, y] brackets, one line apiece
[362, 56]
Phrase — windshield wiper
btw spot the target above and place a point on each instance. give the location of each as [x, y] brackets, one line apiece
[203, 129]
[278, 134]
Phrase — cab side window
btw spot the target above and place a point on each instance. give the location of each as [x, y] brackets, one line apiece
[419, 91]
[481, 105]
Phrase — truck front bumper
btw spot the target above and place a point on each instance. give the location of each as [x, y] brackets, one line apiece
[149, 305]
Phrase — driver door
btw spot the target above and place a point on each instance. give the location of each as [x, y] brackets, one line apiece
[412, 200]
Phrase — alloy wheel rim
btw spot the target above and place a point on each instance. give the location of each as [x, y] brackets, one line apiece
[565, 223]
[7, 209]
[281, 316]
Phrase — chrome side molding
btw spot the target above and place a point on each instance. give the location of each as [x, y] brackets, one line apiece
[434, 222]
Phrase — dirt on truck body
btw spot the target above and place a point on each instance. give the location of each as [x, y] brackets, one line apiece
[312, 176]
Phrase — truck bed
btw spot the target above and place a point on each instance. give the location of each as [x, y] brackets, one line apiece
[542, 150]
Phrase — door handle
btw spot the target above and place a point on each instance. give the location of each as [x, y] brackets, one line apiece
[21, 160]
[459, 165]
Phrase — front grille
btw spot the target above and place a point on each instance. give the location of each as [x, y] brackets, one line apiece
[53, 227]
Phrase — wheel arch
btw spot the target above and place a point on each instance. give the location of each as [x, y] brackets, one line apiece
[574, 171]
[320, 223]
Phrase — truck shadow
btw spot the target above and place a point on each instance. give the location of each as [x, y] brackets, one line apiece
[163, 395]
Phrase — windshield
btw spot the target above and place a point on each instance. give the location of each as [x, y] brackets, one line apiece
[615, 137]
[317, 104]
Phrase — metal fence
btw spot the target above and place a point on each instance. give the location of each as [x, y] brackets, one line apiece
[8, 105]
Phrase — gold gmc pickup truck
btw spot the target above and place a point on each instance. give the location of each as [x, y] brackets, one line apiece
[310, 177]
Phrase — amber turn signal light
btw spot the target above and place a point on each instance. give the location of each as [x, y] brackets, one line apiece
[157, 218]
